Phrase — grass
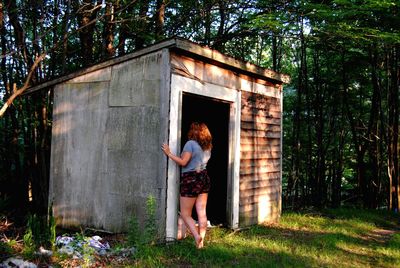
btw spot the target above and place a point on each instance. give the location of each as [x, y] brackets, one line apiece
[329, 238]
[332, 238]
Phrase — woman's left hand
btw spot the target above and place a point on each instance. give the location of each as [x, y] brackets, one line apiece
[165, 149]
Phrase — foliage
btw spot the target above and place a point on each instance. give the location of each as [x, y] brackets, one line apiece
[344, 237]
[332, 238]
[87, 255]
[144, 235]
[40, 231]
[134, 233]
[339, 109]
[5, 250]
[150, 226]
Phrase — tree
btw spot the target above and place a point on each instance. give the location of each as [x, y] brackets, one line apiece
[341, 110]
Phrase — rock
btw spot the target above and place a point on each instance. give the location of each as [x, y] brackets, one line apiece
[126, 252]
[44, 252]
[17, 262]
[67, 250]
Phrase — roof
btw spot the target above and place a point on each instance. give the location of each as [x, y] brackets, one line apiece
[179, 44]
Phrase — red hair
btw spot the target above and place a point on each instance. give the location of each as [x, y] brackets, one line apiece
[200, 133]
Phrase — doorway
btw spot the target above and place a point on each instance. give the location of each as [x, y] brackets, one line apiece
[216, 115]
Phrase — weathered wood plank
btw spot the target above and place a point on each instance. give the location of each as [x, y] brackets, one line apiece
[260, 183]
[248, 203]
[219, 57]
[198, 69]
[255, 99]
[254, 109]
[254, 93]
[260, 119]
[259, 192]
[252, 217]
[259, 163]
[255, 148]
[260, 170]
[259, 142]
[260, 176]
[260, 126]
[260, 213]
[260, 134]
[264, 155]
[267, 114]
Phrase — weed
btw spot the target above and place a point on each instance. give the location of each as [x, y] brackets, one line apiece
[150, 227]
[87, 255]
[134, 235]
[147, 235]
[5, 250]
[40, 231]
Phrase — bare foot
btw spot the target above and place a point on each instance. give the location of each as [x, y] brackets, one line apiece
[181, 236]
[199, 243]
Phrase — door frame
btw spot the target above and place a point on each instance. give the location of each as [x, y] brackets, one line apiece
[180, 85]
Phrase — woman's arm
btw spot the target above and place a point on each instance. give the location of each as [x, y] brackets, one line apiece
[182, 161]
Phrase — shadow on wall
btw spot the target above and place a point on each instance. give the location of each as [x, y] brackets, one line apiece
[260, 159]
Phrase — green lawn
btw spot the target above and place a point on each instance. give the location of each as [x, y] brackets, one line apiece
[335, 238]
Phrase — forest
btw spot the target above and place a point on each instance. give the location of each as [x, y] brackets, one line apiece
[341, 108]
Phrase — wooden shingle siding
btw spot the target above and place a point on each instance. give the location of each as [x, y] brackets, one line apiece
[260, 159]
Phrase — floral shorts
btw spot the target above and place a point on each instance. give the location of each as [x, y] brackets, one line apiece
[194, 183]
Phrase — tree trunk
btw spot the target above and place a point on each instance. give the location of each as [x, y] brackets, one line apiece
[359, 147]
[338, 172]
[124, 31]
[54, 55]
[35, 19]
[207, 22]
[86, 14]
[19, 34]
[20, 182]
[393, 130]
[294, 178]
[219, 43]
[108, 32]
[65, 26]
[274, 52]
[142, 28]
[159, 19]
[3, 41]
[371, 186]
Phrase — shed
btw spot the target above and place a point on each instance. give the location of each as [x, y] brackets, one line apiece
[110, 120]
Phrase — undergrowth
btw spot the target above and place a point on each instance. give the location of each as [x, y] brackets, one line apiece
[329, 238]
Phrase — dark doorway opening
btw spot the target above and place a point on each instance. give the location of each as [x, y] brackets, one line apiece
[215, 114]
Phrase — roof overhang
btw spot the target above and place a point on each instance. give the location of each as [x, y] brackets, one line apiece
[180, 45]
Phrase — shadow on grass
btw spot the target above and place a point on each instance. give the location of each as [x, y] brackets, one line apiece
[341, 241]
[184, 254]
[380, 218]
[319, 239]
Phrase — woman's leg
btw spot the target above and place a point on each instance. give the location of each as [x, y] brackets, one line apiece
[186, 204]
[201, 204]
[181, 228]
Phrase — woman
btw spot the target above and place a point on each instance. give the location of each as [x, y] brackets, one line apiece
[194, 183]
